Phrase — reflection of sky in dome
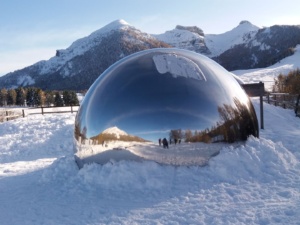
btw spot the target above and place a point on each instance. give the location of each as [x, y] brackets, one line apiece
[140, 98]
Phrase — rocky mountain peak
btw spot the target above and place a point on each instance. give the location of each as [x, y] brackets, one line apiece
[244, 22]
[193, 29]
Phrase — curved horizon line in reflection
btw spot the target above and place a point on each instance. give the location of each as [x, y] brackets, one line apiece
[153, 132]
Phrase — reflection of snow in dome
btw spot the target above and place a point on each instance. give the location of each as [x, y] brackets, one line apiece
[136, 110]
[177, 66]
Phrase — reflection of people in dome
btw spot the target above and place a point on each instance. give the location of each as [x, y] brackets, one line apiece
[165, 143]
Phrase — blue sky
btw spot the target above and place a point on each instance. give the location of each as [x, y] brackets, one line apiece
[32, 30]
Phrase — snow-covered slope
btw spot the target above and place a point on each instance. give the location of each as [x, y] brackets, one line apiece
[219, 43]
[268, 75]
[79, 47]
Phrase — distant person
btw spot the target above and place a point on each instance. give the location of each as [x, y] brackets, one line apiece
[159, 142]
[175, 141]
[165, 143]
[179, 141]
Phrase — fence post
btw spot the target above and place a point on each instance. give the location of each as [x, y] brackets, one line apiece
[71, 109]
[42, 110]
[6, 113]
[262, 126]
[297, 105]
[23, 113]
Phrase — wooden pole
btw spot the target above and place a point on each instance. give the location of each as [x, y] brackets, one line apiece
[261, 112]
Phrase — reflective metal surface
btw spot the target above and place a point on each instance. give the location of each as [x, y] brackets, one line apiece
[182, 96]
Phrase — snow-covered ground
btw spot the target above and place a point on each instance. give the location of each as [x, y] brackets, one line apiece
[258, 183]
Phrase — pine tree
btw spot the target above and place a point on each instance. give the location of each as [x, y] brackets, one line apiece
[39, 97]
[73, 98]
[20, 98]
[34, 97]
[67, 98]
[29, 97]
[3, 97]
[58, 101]
[49, 98]
[11, 97]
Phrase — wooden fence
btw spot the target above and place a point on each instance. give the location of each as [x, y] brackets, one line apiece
[284, 100]
[13, 113]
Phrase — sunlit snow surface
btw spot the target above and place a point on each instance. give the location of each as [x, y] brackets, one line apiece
[40, 183]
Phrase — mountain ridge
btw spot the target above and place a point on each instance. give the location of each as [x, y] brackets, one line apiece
[76, 67]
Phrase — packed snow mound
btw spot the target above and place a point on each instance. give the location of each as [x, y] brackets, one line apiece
[260, 159]
[257, 161]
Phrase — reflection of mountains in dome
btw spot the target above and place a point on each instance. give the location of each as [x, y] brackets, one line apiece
[116, 134]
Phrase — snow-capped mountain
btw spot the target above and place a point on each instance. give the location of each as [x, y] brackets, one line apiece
[115, 131]
[77, 67]
[217, 44]
[78, 48]
[116, 134]
[190, 38]
[260, 48]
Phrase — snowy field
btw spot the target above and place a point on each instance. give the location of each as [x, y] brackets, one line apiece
[258, 183]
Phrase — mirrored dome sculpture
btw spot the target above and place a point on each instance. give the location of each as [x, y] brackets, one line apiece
[170, 106]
